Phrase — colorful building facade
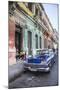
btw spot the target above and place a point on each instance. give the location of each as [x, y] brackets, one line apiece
[29, 29]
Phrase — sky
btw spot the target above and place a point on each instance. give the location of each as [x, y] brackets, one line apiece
[52, 13]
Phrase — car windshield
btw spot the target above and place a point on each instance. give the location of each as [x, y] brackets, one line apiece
[41, 52]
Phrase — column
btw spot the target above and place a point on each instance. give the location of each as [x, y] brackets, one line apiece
[12, 50]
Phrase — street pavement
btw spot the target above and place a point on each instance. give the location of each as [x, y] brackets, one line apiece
[15, 70]
[37, 79]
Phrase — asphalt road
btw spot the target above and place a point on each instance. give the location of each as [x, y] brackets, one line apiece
[37, 79]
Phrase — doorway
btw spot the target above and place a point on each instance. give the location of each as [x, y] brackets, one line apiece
[18, 40]
[29, 43]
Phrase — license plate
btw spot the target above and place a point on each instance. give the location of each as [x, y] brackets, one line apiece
[32, 69]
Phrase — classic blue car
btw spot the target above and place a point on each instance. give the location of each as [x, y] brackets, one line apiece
[40, 62]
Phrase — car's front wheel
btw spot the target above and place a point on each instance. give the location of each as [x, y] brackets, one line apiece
[50, 64]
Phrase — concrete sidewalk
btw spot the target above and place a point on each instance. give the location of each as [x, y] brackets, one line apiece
[15, 70]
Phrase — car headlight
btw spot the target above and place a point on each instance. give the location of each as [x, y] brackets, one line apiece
[43, 62]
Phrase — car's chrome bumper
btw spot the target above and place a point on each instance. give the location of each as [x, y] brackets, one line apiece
[39, 68]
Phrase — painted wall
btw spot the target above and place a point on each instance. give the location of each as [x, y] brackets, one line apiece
[12, 50]
[32, 28]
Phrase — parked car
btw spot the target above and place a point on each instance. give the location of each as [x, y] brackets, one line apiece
[42, 61]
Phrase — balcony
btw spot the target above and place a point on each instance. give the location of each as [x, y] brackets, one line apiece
[40, 21]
